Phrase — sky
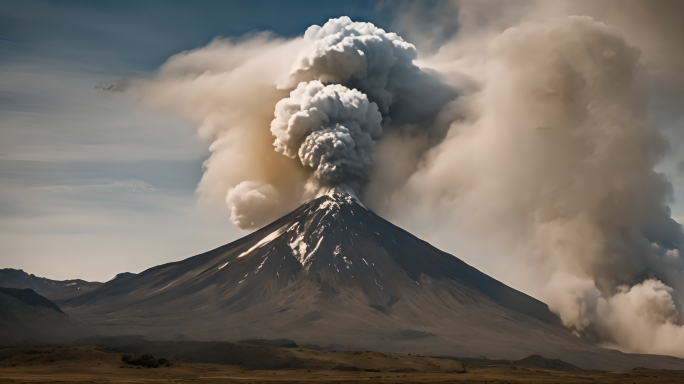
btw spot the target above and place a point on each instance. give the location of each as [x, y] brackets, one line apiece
[91, 184]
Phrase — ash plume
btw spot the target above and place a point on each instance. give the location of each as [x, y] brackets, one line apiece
[331, 129]
[359, 55]
[375, 66]
[327, 96]
[552, 169]
[526, 140]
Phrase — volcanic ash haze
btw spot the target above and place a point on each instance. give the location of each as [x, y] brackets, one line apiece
[544, 162]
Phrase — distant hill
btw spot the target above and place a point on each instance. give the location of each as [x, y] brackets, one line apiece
[27, 318]
[532, 362]
[30, 297]
[51, 289]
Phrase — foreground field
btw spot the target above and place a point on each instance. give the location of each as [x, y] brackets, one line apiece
[87, 364]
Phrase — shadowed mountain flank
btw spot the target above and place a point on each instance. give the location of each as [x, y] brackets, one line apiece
[52, 289]
[26, 318]
[31, 298]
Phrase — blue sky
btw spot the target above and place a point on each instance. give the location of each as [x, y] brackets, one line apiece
[83, 173]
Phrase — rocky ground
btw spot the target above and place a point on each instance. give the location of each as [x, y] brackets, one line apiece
[81, 364]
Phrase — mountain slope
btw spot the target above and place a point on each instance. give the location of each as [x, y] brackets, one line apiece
[30, 297]
[26, 318]
[52, 289]
[333, 272]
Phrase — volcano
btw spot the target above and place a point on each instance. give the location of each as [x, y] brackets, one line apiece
[333, 273]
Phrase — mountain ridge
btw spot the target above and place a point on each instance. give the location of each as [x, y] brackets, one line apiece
[330, 204]
[27, 318]
[334, 272]
[30, 297]
[52, 289]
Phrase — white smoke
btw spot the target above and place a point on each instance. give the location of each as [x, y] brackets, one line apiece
[251, 199]
[358, 55]
[378, 65]
[331, 129]
[369, 65]
[642, 318]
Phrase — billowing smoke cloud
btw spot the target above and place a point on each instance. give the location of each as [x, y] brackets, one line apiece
[545, 163]
[331, 129]
[552, 167]
[251, 199]
[376, 82]
[359, 55]
[327, 97]
[228, 89]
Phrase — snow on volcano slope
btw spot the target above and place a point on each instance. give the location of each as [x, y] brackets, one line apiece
[333, 272]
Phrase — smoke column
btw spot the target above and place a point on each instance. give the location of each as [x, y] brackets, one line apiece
[347, 83]
[328, 98]
[528, 134]
[551, 168]
[331, 129]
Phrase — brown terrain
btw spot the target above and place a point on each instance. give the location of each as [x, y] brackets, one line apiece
[80, 364]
